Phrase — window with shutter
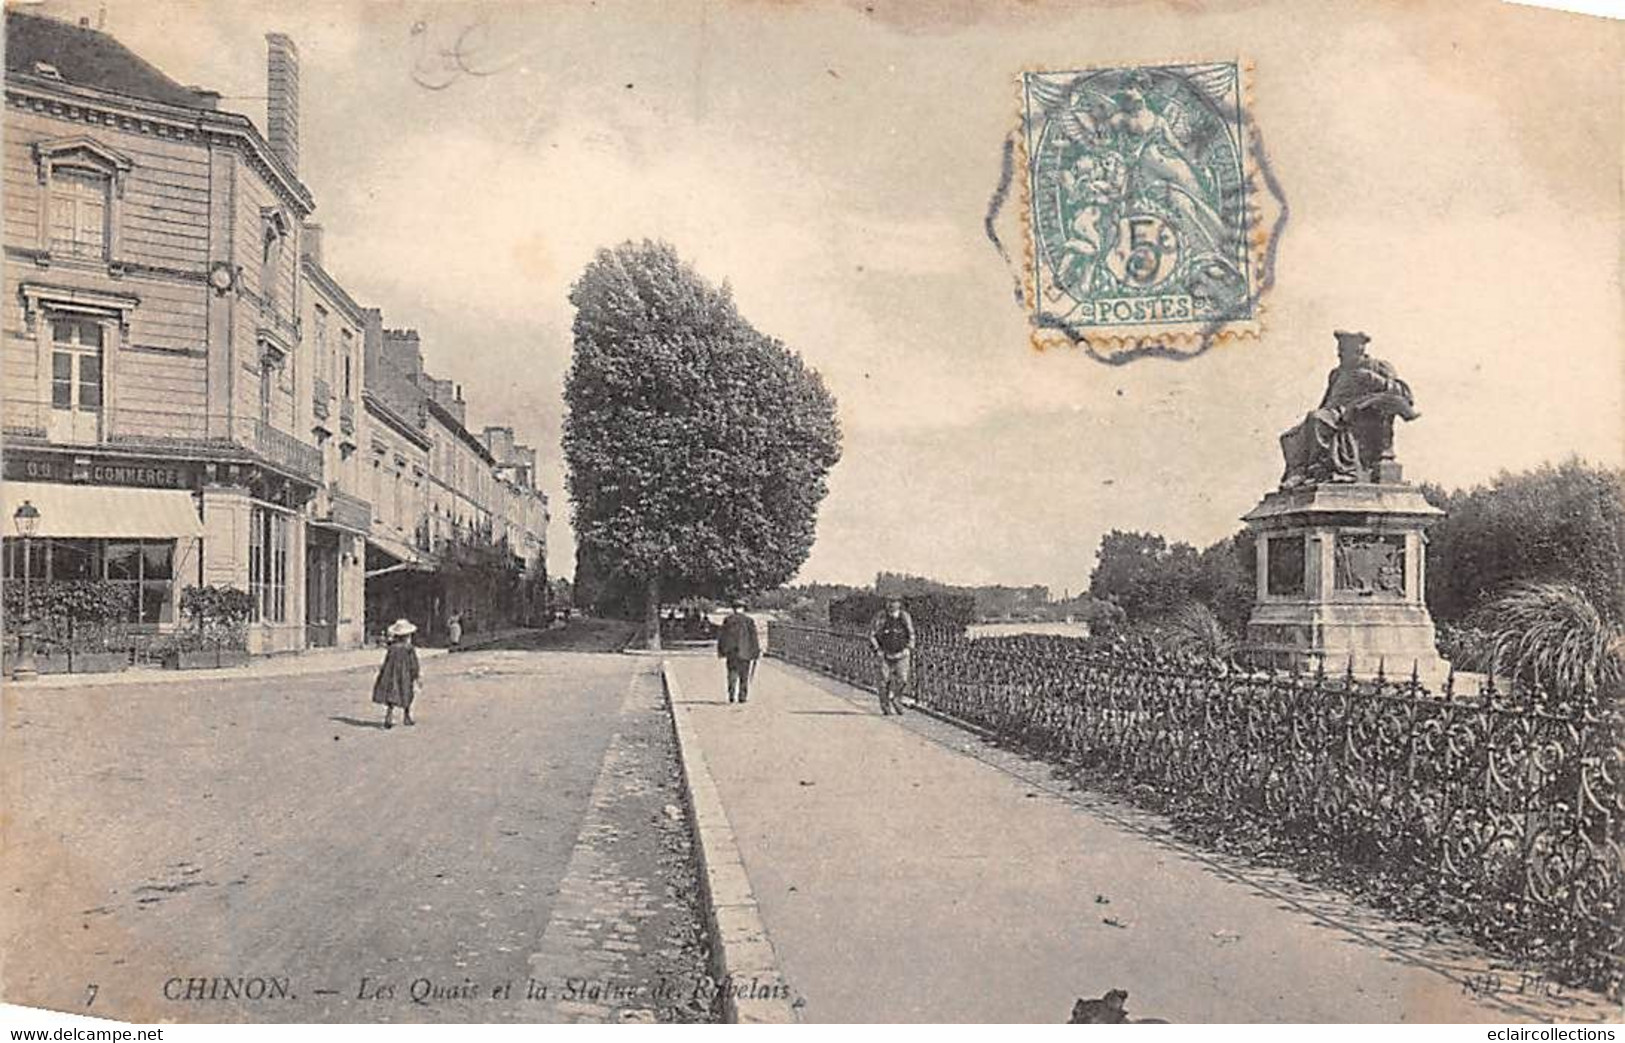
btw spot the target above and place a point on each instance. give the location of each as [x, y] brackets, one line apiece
[79, 212]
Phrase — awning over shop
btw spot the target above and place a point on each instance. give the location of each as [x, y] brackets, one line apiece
[90, 511]
[333, 526]
[386, 558]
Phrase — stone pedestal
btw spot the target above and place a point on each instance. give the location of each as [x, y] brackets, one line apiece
[1341, 574]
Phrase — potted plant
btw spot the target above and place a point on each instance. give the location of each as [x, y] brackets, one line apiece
[98, 649]
[51, 655]
[77, 624]
[215, 635]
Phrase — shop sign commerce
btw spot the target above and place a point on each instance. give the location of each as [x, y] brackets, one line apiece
[152, 474]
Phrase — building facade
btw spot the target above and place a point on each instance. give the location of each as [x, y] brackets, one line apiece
[152, 328]
[523, 517]
[480, 550]
[330, 400]
[190, 396]
[398, 559]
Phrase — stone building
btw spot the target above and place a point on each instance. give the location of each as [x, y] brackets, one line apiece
[394, 472]
[481, 538]
[524, 517]
[330, 396]
[152, 348]
[191, 397]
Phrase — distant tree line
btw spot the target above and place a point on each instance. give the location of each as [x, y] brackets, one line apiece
[990, 601]
[934, 610]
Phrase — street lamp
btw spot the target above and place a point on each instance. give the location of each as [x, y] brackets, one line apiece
[27, 521]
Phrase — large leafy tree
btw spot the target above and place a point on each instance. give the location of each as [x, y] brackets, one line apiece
[1143, 573]
[1554, 524]
[1154, 580]
[697, 447]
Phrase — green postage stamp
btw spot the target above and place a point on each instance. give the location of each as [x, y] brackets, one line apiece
[1145, 229]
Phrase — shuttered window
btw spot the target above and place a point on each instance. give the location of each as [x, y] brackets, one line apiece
[79, 213]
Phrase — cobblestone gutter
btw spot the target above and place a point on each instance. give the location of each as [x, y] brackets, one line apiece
[627, 938]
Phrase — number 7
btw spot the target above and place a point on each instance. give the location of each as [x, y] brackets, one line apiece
[92, 990]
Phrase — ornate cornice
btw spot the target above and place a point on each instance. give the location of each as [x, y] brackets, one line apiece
[334, 292]
[378, 409]
[451, 423]
[271, 335]
[172, 122]
[55, 150]
[76, 298]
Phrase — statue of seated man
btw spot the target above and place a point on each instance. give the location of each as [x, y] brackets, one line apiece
[1350, 437]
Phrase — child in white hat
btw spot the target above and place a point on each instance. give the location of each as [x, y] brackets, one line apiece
[397, 681]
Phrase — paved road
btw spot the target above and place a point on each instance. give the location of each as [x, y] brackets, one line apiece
[267, 830]
[906, 871]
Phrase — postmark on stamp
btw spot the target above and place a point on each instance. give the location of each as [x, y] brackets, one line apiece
[1145, 231]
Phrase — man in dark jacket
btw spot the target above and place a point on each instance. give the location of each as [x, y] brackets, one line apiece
[891, 635]
[740, 644]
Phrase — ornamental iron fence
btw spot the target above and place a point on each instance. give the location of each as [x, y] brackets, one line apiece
[1501, 813]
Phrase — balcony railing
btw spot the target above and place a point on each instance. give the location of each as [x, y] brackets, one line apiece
[321, 397]
[277, 447]
[206, 433]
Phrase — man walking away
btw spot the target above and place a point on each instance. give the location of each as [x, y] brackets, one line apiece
[892, 637]
[739, 644]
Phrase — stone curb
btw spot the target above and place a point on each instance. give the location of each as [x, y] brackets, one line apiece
[742, 956]
[293, 664]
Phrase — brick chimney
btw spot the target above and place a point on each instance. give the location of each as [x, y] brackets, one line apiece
[282, 99]
[404, 352]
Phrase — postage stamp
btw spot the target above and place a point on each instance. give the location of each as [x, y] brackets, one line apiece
[1143, 226]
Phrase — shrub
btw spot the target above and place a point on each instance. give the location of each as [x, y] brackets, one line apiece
[1466, 647]
[1551, 636]
[1192, 629]
[216, 614]
[76, 613]
[1556, 524]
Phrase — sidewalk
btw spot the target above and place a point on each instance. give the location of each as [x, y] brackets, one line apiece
[287, 664]
[908, 871]
[293, 664]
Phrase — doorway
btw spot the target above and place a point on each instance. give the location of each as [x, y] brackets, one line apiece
[321, 588]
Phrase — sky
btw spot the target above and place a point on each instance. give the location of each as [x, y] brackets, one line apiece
[1452, 176]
